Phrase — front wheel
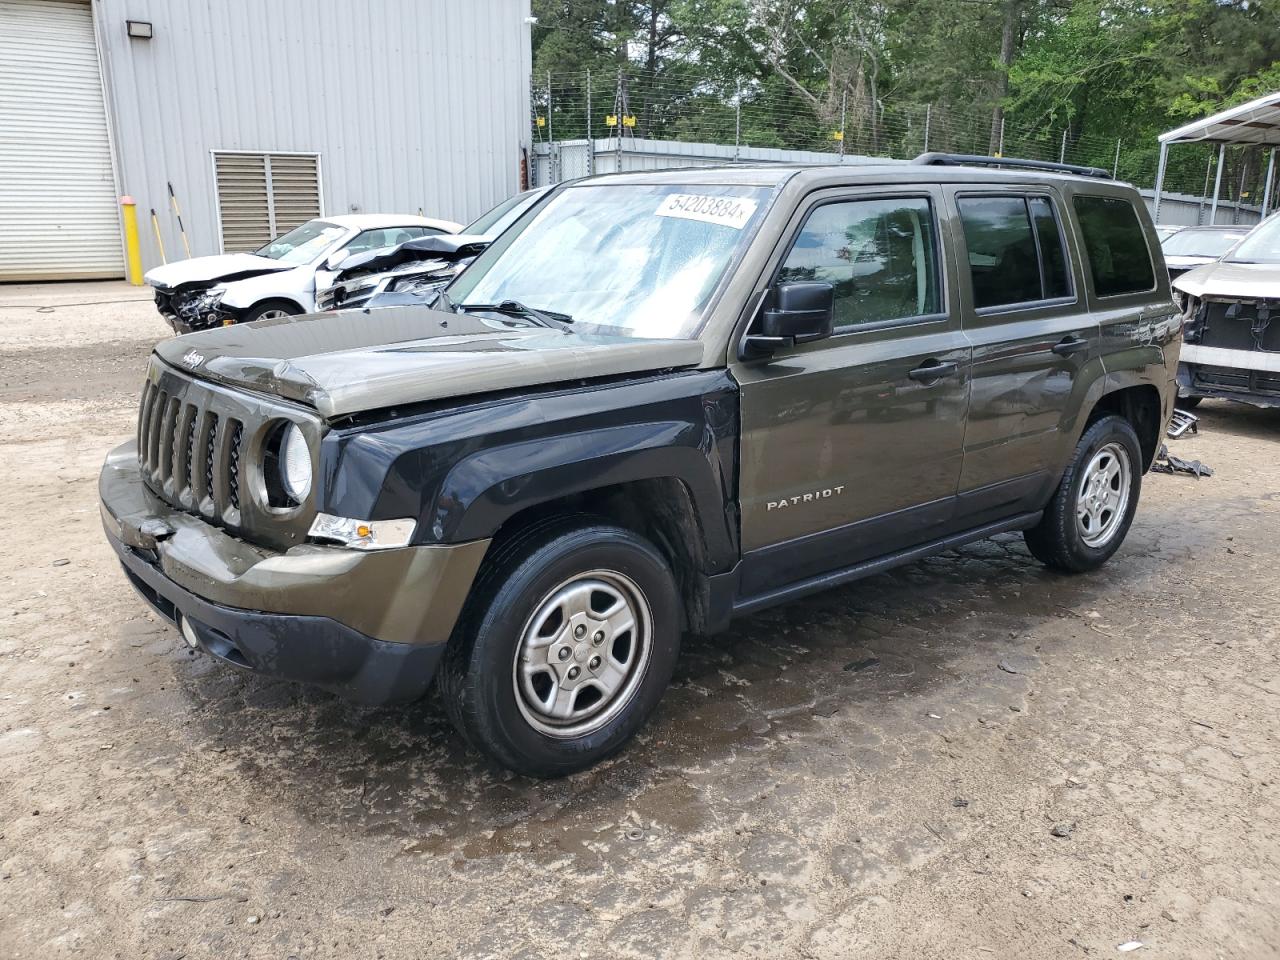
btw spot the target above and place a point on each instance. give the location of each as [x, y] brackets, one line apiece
[1093, 508]
[567, 647]
[1187, 403]
[272, 310]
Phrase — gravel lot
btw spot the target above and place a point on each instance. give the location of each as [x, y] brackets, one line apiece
[876, 772]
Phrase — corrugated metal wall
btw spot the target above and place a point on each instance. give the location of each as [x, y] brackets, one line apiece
[409, 103]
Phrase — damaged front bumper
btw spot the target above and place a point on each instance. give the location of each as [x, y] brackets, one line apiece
[1250, 376]
[370, 626]
[1231, 350]
[189, 310]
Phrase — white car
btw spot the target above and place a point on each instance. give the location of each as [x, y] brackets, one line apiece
[280, 279]
[1231, 323]
[1193, 247]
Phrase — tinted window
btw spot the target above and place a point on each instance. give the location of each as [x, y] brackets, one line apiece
[1057, 282]
[878, 254]
[1010, 261]
[1116, 246]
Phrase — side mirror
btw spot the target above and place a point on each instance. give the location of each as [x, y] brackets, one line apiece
[802, 312]
[336, 258]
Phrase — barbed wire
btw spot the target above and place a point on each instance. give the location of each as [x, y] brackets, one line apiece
[697, 108]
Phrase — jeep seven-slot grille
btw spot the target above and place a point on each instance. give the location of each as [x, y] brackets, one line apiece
[199, 443]
[190, 454]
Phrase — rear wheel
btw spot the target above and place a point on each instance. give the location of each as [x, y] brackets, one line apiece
[272, 310]
[568, 646]
[1093, 508]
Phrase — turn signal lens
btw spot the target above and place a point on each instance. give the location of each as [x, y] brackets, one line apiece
[362, 534]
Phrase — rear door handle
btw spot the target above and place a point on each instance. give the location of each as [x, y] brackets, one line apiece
[1069, 345]
[932, 370]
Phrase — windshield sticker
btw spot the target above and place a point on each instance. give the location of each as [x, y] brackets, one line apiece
[725, 211]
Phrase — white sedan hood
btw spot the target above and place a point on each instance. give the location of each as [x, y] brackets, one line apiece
[226, 266]
[1226, 280]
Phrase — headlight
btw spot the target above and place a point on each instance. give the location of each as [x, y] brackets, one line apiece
[364, 283]
[212, 297]
[362, 534]
[295, 464]
[420, 286]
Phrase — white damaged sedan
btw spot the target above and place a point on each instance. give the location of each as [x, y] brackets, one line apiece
[279, 279]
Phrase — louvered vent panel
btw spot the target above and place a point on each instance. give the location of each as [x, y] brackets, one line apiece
[295, 190]
[244, 201]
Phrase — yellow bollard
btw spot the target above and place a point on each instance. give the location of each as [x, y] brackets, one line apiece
[132, 251]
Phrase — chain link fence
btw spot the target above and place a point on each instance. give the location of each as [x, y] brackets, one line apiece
[691, 108]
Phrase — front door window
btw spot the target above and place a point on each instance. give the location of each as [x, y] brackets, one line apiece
[879, 255]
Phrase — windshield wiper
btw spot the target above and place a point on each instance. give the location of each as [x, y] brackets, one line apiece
[514, 308]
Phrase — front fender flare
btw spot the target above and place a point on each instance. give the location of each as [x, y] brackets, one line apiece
[487, 488]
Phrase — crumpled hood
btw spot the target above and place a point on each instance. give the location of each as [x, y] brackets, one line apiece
[226, 266]
[1232, 280]
[351, 361]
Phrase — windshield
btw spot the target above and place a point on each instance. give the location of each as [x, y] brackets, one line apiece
[503, 215]
[626, 259]
[1262, 245]
[303, 244]
[1201, 243]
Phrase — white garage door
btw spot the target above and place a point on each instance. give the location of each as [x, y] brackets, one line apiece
[58, 216]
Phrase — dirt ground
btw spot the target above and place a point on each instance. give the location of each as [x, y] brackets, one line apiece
[876, 772]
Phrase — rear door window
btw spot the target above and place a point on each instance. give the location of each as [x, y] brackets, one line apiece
[1015, 250]
[1116, 246]
[879, 254]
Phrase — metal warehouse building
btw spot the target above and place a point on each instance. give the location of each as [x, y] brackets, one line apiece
[261, 115]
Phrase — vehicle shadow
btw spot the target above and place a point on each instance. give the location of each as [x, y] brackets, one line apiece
[835, 671]
[1238, 419]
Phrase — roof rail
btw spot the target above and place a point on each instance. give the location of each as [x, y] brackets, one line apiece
[975, 160]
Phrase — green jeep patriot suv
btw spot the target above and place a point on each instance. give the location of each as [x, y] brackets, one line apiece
[659, 401]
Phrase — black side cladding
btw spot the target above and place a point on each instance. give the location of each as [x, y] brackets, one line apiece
[464, 471]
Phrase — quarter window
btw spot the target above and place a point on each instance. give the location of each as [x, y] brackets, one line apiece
[1116, 245]
[879, 255]
[1015, 250]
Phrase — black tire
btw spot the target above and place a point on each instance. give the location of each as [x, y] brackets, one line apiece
[1057, 541]
[259, 310]
[478, 682]
[1187, 403]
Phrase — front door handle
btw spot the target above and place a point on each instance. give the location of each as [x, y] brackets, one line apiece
[1069, 345]
[932, 370]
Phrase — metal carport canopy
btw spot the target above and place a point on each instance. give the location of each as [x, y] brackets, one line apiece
[1256, 123]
